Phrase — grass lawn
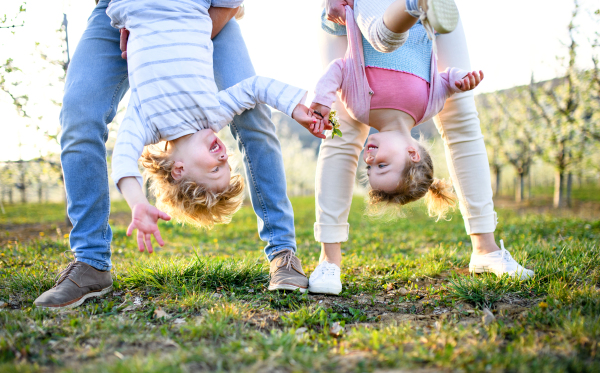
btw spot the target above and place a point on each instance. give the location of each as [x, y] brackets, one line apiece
[201, 303]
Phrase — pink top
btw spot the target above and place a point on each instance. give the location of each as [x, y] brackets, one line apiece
[347, 75]
[398, 90]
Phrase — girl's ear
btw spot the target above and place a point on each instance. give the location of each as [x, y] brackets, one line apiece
[177, 171]
[413, 154]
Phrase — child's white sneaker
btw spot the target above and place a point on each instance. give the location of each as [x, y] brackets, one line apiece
[325, 279]
[438, 15]
[499, 262]
[443, 15]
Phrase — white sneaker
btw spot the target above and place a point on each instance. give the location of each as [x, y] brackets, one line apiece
[325, 279]
[499, 262]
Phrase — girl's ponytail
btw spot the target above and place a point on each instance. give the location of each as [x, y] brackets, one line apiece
[440, 198]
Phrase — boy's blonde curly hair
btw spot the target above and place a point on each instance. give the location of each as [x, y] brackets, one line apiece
[186, 200]
[416, 182]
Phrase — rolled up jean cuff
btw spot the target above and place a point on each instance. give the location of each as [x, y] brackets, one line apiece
[331, 233]
[480, 224]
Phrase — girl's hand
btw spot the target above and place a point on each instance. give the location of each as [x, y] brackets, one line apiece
[144, 218]
[322, 114]
[309, 120]
[469, 81]
[321, 109]
[335, 10]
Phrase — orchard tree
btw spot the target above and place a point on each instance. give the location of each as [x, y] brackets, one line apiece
[558, 105]
[510, 133]
[519, 147]
[494, 131]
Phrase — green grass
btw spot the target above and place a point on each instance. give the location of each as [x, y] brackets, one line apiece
[408, 302]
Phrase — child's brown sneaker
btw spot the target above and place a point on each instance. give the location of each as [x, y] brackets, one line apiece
[287, 273]
[76, 283]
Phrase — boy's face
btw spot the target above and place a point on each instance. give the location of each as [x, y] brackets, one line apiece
[386, 154]
[205, 160]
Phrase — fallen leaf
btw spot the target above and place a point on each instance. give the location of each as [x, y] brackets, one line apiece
[119, 355]
[488, 317]
[219, 288]
[336, 329]
[130, 308]
[158, 313]
[402, 291]
[389, 287]
[3, 304]
[179, 321]
[300, 332]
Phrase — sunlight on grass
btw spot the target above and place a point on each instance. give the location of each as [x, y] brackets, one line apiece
[201, 303]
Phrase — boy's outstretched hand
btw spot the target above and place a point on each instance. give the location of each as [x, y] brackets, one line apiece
[309, 120]
[469, 81]
[144, 218]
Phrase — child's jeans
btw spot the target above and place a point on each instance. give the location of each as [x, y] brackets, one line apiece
[96, 82]
[457, 123]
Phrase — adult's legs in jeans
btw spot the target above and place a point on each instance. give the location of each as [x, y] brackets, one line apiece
[465, 149]
[336, 169]
[255, 134]
[96, 82]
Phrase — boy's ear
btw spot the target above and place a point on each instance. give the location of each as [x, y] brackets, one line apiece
[413, 154]
[177, 171]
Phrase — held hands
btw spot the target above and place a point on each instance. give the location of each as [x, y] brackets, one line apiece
[322, 114]
[144, 218]
[469, 81]
[311, 121]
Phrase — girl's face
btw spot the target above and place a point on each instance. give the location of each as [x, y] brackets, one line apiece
[386, 154]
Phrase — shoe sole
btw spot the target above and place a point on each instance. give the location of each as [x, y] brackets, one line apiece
[80, 301]
[525, 275]
[442, 15]
[286, 287]
[479, 269]
[324, 290]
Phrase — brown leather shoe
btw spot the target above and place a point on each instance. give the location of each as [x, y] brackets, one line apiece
[287, 273]
[76, 283]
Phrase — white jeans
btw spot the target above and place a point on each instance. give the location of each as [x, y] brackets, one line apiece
[458, 125]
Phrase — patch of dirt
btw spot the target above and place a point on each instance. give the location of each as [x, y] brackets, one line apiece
[57, 230]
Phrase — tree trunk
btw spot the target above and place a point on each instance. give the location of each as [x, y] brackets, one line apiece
[23, 189]
[529, 184]
[10, 195]
[40, 192]
[520, 188]
[497, 172]
[559, 184]
[569, 188]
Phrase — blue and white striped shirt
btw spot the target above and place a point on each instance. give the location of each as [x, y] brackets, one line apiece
[173, 91]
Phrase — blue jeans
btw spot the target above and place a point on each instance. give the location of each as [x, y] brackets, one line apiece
[96, 82]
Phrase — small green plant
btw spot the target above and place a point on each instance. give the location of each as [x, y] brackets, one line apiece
[335, 122]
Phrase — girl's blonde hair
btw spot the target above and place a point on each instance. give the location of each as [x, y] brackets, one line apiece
[186, 200]
[416, 182]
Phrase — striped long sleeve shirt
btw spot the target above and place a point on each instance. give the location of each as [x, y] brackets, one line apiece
[173, 91]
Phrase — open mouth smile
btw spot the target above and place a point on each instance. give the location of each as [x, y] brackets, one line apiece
[215, 147]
